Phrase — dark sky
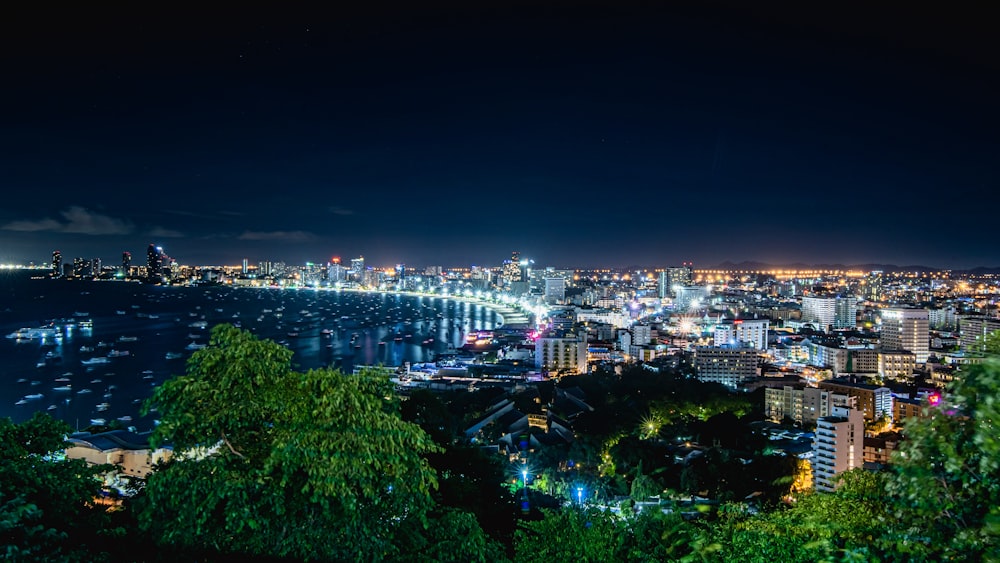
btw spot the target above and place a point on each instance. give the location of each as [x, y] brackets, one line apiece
[581, 134]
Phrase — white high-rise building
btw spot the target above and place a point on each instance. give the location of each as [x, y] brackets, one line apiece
[906, 329]
[821, 311]
[561, 353]
[838, 446]
[747, 332]
[555, 290]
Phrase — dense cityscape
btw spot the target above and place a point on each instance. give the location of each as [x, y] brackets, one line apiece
[676, 391]
[499, 281]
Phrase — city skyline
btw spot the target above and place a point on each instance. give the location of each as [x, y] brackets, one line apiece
[590, 135]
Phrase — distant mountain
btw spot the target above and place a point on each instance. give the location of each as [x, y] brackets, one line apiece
[749, 265]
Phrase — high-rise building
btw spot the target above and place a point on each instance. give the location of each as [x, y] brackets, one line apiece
[555, 290]
[728, 365]
[821, 311]
[845, 312]
[57, 264]
[906, 329]
[873, 286]
[838, 446]
[358, 269]
[562, 353]
[974, 328]
[96, 266]
[801, 403]
[748, 332]
[154, 264]
[873, 401]
[246, 267]
[126, 262]
[511, 271]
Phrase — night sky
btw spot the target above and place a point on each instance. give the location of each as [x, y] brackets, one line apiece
[581, 134]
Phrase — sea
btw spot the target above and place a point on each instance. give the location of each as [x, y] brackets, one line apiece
[119, 340]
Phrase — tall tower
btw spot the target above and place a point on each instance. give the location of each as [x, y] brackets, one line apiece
[873, 286]
[154, 264]
[906, 329]
[838, 446]
[56, 264]
[126, 262]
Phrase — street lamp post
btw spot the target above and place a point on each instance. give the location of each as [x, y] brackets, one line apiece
[579, 495]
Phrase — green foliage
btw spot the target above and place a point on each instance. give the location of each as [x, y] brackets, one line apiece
[273, 462]
[46, 503]
[946, 487]
[598, 536]
[569, 535]
[817, 527]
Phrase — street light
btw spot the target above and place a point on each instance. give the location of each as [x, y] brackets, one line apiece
[524, 476]
[579, 495]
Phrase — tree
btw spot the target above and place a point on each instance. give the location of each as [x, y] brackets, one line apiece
[273, 462]
[946, 488]
[47, 509]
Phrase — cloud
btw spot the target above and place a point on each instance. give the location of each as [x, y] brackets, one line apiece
[284, 236]
[163, 232]
[341, 210]
[76, 220]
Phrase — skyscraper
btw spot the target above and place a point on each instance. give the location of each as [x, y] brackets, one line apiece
[838, 446]
[126, 262]
[154, 264]
[821, 311]
[906, 329]
[57, 264]
[873, 286]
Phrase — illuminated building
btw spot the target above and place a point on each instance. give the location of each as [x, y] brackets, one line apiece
[906, 329]
[750, 332]
[511, 271]
[728, 365]
[801, 403]
[974, 328]
[561, 353]
[126, 262]
[358, 269]
[246, 266]
[873, 286]
[821, 311]
[872, 401]
[555, 290]
[896, 363]
[154, 264]
[57, 264]
[838, 446]
[96, 267]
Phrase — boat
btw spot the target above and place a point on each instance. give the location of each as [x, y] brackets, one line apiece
[83, 391]
[119, 312]
[125, 418]
[95, 360]
[81, 314]
[34, 396]
[21, 402]
[103, 407]
[199, 324]
[174, 355]
[326, 332]
[85, 349]
[128, 338]
[63, 388]
[34, 333]
[118, 353]
[195, 346]
[51, 408]
[98, 421]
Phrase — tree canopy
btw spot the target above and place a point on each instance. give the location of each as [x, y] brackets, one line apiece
[274, 462]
